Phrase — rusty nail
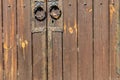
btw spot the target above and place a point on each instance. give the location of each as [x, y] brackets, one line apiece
[70, 4]
[24, 6]
[9, 6]
[101, 3]
[113, 3]
[85, 4]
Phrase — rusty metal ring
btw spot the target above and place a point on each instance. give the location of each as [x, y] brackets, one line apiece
[40, 13]
[55, 12]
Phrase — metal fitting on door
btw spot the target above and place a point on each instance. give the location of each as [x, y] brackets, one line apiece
[39, 12]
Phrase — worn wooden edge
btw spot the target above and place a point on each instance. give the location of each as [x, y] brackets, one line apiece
[1, 49]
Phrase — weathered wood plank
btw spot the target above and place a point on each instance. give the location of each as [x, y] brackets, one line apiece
[9, 28]
[57, 56]
[39, 48]
[101, 40]
[54, 44]
[1, 50]
[24, 40]
[39, 57]
[70, 40]
[85, 40]
[114, 40]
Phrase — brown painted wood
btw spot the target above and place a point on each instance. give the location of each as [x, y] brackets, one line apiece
[1, 50]
[101, 40]
[85, 40]
[57, 56]
[54, 44]
[9, 28]
[39, 57]
[24, 40]
[70, 40]
[39, 49]
[114, 39]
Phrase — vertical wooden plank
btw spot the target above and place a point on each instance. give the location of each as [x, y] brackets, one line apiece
[39, 47]
[101, 40]
[9, 28]
[54, 34]
[57, 56]
[114, 40]
[70, 40]
[1, 50]
[39, 56]
[24, 40]
[85, 40]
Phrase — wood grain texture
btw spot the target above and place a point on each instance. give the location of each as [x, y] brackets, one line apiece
[54, 45]
[101, 40]
[1, 50]
[57, 56]
[9, 28]
[85, 40]
[39, 57]
[114, 40]
[70, 40]
[39, 49]
[24, 40]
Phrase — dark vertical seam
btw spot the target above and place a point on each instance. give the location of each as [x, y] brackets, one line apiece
[2, 37]
[47, 41]
[17, 38]
[62, 43]
[109, 39]
[93, 35]
[31, 41]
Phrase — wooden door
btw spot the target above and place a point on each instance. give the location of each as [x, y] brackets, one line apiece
[59, 40]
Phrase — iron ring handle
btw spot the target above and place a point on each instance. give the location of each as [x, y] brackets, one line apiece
[55, 12]
[40, 13]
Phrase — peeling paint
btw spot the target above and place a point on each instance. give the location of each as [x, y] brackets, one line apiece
[75, 27]
[112, 11]
[8, 48]
[23, 44]
[65, 28]
[71, 30]
[89, 10]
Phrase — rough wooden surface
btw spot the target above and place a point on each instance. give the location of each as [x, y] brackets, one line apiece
[9, 29]
[24, 40]
[85, 40]
[114, 40]
[87, 48]
[101, 40]
[70, 62]
[39, 50]
[54, 45]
